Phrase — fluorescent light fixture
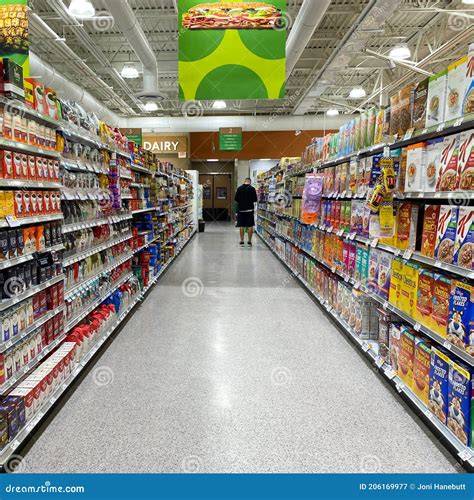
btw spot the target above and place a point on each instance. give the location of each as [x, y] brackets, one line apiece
[357, 93]
[83, 9]
[468, 2]
[213, 161]
[265, 159]
[129, 71]
[219, 105]
[151, 106]
[401, 51]
[332, 112]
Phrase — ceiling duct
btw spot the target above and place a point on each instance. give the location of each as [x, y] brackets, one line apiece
[308, 19]
[52, 78]
[372, 17]
[126, 20]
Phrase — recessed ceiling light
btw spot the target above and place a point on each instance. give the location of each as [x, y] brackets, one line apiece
[129, 71]
[82, 9]
[401, 51]
[357, 93]
[468, 2]
[219, 105]
[265, 159]
[151, 106]
[212, 160]
[332, 112]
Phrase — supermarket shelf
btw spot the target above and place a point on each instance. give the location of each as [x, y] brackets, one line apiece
[142, 210]
[81, 134]
[6, 304]
[91, 251]
[266, 218]
[25, 148]
[93, 305]
[463, 453]
[137, 184]
[182, 207]
[5, 264]
[125, 176]
[126, 197]
[137, 168]
[4, 346]
[386, 305]
[17, 107]
[147, 244]
[18, 183]
[87, 281]
[80, 166]
[22, 437]
[77, 226]
[26, 221]
[459, 196]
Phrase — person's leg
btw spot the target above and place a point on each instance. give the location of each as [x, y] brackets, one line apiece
[241, 234]
[250, 231]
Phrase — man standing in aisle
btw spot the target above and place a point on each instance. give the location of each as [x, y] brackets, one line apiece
[246, 197]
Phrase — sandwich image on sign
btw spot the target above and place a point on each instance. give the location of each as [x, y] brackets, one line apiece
[232, 15]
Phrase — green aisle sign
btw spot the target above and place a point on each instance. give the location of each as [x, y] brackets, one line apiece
[230, 139]
[232, 50]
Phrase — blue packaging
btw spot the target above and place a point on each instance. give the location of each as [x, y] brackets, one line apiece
[438, 388]
[459, 402]
[461, 315]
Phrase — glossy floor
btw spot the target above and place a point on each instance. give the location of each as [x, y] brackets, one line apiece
[228, 366]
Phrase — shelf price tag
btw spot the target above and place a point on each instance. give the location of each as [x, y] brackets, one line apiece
[346, 278]
[333, 269]
[12, 221]
[352, 236]
[437, 195]
[447, 345]
[385, 305]
[389, 373]
[380, 361]
[465, 455]
[424, 131]
[400, 386]
[365, 346]
[397, 252]
[407, 254]
[440, 127]
[417, 327]
[408, 134]
[374, 243]
[459, 121]
[356, 285]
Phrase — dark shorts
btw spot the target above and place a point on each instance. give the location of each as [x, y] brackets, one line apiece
[245, 219]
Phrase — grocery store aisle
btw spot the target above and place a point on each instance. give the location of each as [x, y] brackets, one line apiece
[228, 366]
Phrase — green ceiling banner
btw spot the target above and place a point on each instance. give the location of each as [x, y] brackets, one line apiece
[14, 40]
[232, 50]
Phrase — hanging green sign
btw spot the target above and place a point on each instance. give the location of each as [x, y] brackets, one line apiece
[230, 139]
[14, 39]
[232, 50]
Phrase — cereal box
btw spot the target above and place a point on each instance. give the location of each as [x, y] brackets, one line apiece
[446, 234]
[364, 266]
[383, 278]
[466, 161]
[468, 99]
[461, 316]
[394, 344]
[438, 390]
[464, 244]
[409, 288]
[436, 98]
[429, 178]
[430, 227]
[385, 321]
[406, 356]
[407, 221]
[441, 297]
[421, 370]
[456, 89]
[373, 270]
[420, 98]
[448, 178]
[424, 298]
[459, 401]
[416, 161]
[395, 281]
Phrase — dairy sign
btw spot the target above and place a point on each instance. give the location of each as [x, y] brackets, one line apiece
[165, 144]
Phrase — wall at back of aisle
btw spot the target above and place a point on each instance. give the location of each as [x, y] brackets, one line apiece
[256, 145]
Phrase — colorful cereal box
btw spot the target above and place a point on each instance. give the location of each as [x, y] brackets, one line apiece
[434, 150]
[383, 278]
[430, 228]
[468, 99]
[446, 234]
[441, 298]
[395, 281]
[448, 179]
[364, 266]
[436, 98]
[424, 298]
[461, 316]
[406, 356]
[416, 161]
[459, 401]
[464, 244]
[438, 390]
[409, 288]
[456, 89]
[421, 370]
[466, 161]
[373, 270]
[394, 344]
[407, 221]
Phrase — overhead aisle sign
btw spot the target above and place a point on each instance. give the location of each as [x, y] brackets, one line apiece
[230, 139]
[232, 50]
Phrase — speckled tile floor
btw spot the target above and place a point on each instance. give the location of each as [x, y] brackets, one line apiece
[228, 366]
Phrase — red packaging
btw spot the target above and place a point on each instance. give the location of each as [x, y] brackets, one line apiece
[56, 329]
[49, 331]
[7, 164]
[32, 167]
[18, 204]
[51, 169]
[42, 299]
[45, 169]
[56, 167]
[36, 306]
[44, 336]
[34, 203]
[27, 204]
[39, 199]
[46, 203]
[17, 165]
[39, 168]
[58, 201]
[24, 166]
[61, 292]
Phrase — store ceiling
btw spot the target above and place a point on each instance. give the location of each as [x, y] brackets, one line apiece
[436, 31]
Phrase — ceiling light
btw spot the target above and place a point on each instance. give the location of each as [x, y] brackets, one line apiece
[212, 161]
[400, 51]
[219, 105]
[265, 159]
[151, 106]
[357, 93]
[82, 9]
[332, 112]
[129, 71]
[468, 2]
